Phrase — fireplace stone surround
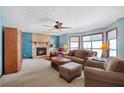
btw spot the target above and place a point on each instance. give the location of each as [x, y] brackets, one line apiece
[40, 41]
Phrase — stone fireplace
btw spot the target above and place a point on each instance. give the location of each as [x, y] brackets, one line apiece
[40, 46]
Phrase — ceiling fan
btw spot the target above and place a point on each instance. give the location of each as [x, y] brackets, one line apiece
[58, 26]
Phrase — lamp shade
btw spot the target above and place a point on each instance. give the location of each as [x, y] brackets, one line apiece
[105, 46]
[65, 46]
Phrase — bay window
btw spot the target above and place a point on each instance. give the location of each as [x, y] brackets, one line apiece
[93, 42]
[74, 42]
[112, 40]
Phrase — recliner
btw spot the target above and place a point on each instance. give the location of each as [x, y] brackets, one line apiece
[108, 74]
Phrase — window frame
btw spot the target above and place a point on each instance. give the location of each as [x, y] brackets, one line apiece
[74, 41]
[91, 40]
[102, 33]
[113, 29]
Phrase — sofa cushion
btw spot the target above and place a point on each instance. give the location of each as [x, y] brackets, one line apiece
[69, 57]
[114, 64]
[81, 53]
[71, 53]
[76, 59]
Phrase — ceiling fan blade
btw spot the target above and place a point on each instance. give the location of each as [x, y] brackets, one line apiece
[47, 26]
[65, 27]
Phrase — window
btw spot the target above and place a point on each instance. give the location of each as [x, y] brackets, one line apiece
[74, 42]
[112, 40]
[93, 42]
[87, 45]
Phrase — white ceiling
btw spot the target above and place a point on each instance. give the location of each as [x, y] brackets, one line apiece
[31, 19]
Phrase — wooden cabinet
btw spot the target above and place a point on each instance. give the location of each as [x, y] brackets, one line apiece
[12, 50]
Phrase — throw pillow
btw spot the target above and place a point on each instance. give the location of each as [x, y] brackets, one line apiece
[71, 53]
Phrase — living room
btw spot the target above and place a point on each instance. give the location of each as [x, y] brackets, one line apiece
[65, 42]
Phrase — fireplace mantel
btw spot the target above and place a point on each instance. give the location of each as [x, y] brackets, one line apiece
[40, 42]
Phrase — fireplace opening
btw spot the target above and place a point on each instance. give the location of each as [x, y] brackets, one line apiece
[41, 51]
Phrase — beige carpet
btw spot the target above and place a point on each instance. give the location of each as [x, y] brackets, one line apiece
[37, 73]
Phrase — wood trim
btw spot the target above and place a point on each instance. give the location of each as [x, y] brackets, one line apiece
[78, 42]
[110, 31]
[116, 38]
[93, 34]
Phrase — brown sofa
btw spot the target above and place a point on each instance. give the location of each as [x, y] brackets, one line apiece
[80, 56]
[104, 74]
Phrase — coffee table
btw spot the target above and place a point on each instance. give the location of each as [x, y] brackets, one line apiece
[99, 59]
[57, 61]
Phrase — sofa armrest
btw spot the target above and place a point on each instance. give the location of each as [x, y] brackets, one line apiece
[101, 77]
[95, 64]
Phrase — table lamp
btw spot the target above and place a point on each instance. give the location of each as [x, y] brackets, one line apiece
[65, 47]
[105, 48]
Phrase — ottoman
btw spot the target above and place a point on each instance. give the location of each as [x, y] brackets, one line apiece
[69, 71]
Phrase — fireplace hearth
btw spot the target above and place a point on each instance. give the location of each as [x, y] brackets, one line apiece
[41, 51]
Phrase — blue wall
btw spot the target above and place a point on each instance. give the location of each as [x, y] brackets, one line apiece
[0, 46]
[27, 45]
[120, 37]
[63, 40]
[54, 40]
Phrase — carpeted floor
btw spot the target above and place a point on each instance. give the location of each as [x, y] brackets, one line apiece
[37, 73]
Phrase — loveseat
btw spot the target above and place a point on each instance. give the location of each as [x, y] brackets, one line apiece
[80, 56]
[104, 74]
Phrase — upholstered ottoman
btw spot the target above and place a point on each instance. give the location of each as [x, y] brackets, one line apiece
[69, 71]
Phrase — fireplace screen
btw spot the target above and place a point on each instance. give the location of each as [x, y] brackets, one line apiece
[41, 51]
